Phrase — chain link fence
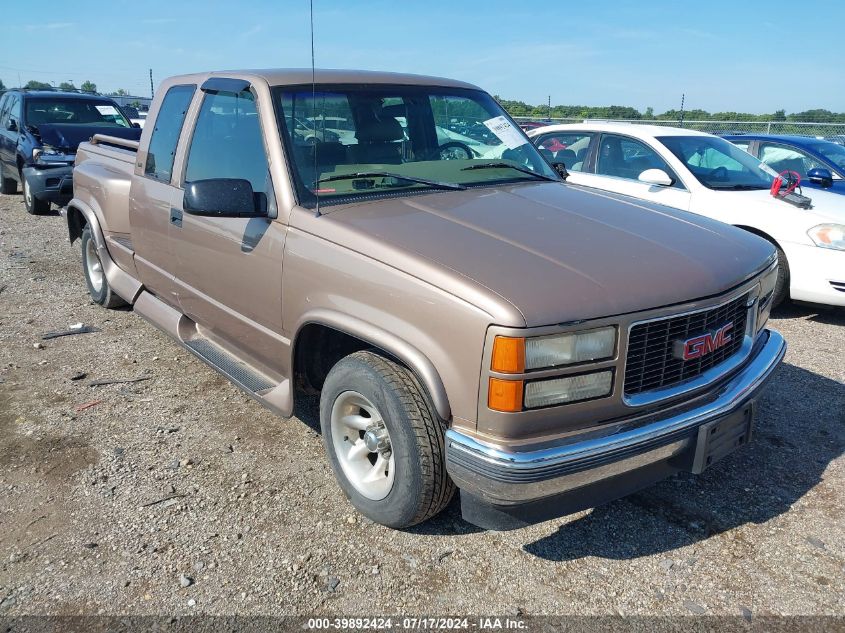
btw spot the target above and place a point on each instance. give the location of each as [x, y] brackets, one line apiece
[821, 130]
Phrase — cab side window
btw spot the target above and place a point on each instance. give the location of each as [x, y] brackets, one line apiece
[168, 127]
[623, 157]
[15, 110]
[5, 100]
[781, 158]
[227, 143]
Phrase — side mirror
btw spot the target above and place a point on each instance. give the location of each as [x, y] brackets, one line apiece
[136, 125]
[821, 177]
[656, 177]
[560, 168]
[220, 198]
[12, 125]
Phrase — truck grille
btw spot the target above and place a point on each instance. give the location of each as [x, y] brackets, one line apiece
[651, 362]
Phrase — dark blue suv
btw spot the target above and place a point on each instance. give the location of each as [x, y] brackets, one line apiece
[820, 163]
[39, 133]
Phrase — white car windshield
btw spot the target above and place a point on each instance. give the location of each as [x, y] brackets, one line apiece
[719, 164]
[365, 141]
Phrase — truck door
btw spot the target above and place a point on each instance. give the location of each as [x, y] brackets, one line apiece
[152, 193]
[229, 272]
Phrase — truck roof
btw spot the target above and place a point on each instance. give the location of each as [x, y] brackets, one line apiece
[299, 76]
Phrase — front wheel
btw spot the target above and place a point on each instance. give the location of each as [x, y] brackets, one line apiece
[384, 440]
[781, 292]
[95, 278]
[34, 206]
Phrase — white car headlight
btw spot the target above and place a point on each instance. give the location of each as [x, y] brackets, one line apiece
[545, 393]
[828, 236]
[566, 349]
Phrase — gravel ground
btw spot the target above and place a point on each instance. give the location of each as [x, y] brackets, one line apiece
[178, 494]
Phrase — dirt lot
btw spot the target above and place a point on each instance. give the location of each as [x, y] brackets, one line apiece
[177, 494]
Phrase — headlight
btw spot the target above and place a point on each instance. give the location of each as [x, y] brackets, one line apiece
[828, 236]
[516, 355]
[49, 155]
[566, 349]
[545, 393]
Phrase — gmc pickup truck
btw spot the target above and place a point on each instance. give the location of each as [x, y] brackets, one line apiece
[467, 317]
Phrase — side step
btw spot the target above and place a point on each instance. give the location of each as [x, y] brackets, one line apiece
[235, 370]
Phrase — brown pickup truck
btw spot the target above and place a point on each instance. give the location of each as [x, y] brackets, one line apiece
[395, 244]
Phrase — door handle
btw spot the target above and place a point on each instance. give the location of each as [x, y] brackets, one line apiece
[176, 217]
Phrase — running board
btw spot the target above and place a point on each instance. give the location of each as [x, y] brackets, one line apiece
[234, 369]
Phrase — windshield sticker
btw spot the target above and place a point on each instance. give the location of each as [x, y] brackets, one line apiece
[507, 133]
[106, 110]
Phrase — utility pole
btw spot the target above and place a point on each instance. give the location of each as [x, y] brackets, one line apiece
[681, 119]
[152, 91]
[550, 108]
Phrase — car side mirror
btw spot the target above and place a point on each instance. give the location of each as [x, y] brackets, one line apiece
[221, 198]
[560, 168]
[821, 177]
[12, 125]
[136, 125]
[656, 177]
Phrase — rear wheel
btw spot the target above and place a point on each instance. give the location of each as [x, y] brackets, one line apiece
[95, 277]
[34, 206]
[384, 440]
[7, 185]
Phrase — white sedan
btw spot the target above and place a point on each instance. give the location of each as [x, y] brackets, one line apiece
[705, 174]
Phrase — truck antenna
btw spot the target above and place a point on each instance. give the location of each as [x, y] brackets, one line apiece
[314, 109]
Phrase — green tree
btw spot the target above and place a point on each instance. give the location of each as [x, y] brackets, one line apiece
[67, 85]
[32, 84]
[649, 113]
[2, 85]
[88, 86]
[120, 92]
[779, 115]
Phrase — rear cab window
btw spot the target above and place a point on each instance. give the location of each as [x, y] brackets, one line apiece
[165, 136]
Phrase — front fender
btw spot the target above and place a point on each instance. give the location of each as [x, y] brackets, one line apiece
[413, 358]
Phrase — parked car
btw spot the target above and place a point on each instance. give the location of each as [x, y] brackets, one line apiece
[39, 134]
[820, 163]
[136, 117]
[533, 125]
[466, 322]
[839, 139]
[708, 175]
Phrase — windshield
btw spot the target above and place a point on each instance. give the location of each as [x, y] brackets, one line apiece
[74, 112]
[832, 152]
[719, 164]
[352, 142]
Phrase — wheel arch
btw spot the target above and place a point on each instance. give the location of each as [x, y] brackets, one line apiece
[336, 335]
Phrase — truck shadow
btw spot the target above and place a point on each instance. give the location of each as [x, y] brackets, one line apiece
[800, 429]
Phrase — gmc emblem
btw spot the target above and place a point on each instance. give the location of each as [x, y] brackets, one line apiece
[707, 343]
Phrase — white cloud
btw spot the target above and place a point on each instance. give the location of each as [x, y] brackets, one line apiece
[50, 25]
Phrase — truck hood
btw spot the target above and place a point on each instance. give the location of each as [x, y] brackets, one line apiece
[67, 137]
[561, 253]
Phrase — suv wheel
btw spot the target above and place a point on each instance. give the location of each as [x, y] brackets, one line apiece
[34, 206]
[384, 440]
[7, 185]
[95, 277]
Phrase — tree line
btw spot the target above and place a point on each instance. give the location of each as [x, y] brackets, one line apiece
[522, 109]
[85, 86]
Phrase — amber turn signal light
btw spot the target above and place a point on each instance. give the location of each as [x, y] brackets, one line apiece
[505, 395]
[508, 355]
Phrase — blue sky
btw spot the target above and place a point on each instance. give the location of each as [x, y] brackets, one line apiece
[726, 56]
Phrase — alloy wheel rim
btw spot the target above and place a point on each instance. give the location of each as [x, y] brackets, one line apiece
[362, 445]
[93, 266]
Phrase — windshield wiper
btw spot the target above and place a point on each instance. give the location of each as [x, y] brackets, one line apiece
[740, 187]
[434, 184]
[524, 170]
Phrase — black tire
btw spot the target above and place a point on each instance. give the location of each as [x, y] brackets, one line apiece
[33, 205]
[781, 293]
[421, 486]
[7, 185]
[101, 293]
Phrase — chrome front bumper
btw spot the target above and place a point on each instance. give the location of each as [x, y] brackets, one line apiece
[510, 478]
